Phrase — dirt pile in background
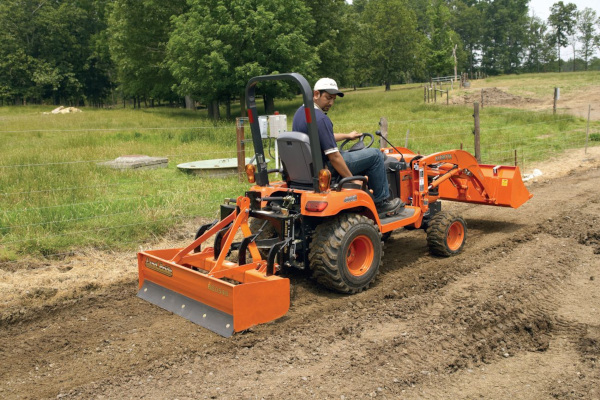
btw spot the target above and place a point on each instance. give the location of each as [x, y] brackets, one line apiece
[579, 101]
[493, 97]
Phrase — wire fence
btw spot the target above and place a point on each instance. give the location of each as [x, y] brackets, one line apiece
[60, 207]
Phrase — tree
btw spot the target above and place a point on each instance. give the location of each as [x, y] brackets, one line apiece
[46, 50]
[138, 35]
[467, 22]
[504, 35]
[562, 18]
[586, 20]
[389, 43]
[539, 47]
[332, 37]
[442, 39]
[217, 45]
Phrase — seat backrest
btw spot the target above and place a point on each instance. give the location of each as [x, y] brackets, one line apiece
[294, 151]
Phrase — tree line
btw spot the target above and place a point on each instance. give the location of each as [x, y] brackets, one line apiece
[156, 52]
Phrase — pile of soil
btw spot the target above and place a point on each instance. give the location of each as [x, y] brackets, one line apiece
[580, 102]
[493, 97]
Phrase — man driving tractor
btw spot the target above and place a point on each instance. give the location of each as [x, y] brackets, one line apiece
[367, 162]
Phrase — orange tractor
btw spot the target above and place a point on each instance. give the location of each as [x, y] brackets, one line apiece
[306, 221]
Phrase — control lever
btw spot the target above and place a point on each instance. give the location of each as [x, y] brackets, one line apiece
[378, 133]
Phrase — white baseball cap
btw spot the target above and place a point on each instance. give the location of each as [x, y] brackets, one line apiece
[328, 85]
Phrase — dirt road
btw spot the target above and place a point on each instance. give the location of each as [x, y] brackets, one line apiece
[516, 315]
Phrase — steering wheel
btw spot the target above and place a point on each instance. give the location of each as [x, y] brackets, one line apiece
[358, 145]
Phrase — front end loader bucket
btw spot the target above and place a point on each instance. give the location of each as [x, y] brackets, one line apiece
[498, 185]
[210, 291]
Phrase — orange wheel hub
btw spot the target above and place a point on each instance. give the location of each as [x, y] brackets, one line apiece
[456, 236]
[360, 255]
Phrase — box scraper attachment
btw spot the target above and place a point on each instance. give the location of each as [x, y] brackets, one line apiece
[210, 291]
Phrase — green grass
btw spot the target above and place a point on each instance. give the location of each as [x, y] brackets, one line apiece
[542, 85]
[54, 197]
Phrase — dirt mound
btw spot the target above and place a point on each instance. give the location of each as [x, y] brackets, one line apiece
[492, 97]
[580, 101]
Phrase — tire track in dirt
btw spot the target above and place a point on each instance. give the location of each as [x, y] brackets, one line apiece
[424, 320]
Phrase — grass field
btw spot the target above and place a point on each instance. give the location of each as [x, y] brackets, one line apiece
[54, 197]
[541, 85]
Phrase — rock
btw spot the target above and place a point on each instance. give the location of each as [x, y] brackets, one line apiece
[64, 110]
[136, 162]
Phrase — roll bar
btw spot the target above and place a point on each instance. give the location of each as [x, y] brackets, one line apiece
[262, 178]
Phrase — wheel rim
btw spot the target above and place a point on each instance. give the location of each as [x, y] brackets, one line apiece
[360, 255]
[456, 236]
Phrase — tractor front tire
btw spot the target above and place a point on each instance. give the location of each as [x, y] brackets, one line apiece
[345, 253]
[446, 234]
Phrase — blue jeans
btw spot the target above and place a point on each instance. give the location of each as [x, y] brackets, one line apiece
[367, 162]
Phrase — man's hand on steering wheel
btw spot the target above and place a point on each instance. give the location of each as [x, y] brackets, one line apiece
[360, 144]
[353, 135]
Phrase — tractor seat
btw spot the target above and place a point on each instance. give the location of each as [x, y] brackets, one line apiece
[296, 158]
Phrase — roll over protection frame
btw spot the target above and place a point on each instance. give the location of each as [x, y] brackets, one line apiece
[262, 178]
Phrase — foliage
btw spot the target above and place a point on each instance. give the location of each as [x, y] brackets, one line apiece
[562, 19]
[47, 51]
[218, 45]
[540, 52]
[442, 40]
[467, 22]
[138, 34]
[586, 20]
[388, 42]
[332, 38]
[76, 52]
[504, 35]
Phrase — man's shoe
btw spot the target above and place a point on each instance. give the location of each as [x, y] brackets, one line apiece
[387, 208]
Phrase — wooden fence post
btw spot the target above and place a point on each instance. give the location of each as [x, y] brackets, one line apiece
[447, 98]
[476, 132]
[383, 123]
[555, 98]
[424, 94]
[241, 148]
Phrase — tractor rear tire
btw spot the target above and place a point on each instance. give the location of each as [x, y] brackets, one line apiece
[345, 253]
[446, 234]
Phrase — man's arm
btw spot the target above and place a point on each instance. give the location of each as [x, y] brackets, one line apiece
[337, 161]
[344, 136]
